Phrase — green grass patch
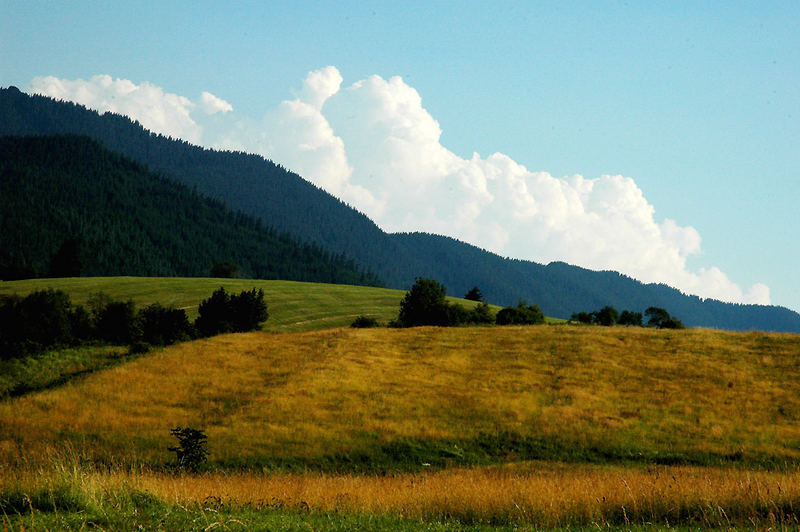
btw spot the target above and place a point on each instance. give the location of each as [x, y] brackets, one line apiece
[409, 455]
[293, 306]
[19, 376]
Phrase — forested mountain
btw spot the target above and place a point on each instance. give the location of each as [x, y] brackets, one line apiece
[285, 201]
[70, 206]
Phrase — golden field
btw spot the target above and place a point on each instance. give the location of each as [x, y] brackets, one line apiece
[632, 394]
[531, 494]
[317, 393]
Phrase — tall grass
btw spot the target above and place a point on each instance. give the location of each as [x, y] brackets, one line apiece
[533, 494]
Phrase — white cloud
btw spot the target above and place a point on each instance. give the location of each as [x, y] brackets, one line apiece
[374, 145]
[158, 111]
[213, 105]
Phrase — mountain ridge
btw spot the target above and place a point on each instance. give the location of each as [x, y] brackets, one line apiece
[289, 203]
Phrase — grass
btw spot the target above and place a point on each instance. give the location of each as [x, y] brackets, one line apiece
[312, 427]
[532, 495]
[54, 368]
[293, 306]
[329, 399]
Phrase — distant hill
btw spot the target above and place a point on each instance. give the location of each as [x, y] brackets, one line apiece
[285, 201]
[106, 214]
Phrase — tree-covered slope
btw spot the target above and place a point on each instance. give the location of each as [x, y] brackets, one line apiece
[117, 218]
[284, 200]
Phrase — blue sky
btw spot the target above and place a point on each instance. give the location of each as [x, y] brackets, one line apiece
[696, 104]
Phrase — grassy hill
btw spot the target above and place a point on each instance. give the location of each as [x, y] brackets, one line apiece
[293, 306]
[487, 428]
[381, 398]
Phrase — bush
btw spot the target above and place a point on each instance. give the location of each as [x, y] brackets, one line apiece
[481, 314]
[583, 317]
[629, 317]
[222, 313]
[248, 310]
[607, 316]
[191, 452]
[116, 323]
[660, 318]
[424, 304]
[160, 325]
[474, 294]
[214, 314]
[364, 322]
[40, 320]
[522, 314]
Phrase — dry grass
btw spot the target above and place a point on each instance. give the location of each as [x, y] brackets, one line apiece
[540, 494]
[316, 393]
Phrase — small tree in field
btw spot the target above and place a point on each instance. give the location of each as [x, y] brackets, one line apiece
[424, 304]
[607, 316]
[474, 294]
[191, 452]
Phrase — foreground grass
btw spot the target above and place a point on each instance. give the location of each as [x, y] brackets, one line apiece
[393, 400]
[293, 306]
[531, 496]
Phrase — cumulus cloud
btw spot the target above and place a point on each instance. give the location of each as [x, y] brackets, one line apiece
[157, 110]
[374, 145]
[213, 105]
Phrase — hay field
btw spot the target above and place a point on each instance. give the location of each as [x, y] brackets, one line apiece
[264, 397]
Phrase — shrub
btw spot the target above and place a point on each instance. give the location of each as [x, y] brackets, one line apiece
[629, 317]
[481, 314]
[583, 317]
[116, 323]
[248, 310]
[160, 325]
[214, 314]
[191, 452]
[660, 318]
[222, 313]
[424, 304]
[40, 320]
[474, 294]
[522, 314]
[364, 322]
[607, 316]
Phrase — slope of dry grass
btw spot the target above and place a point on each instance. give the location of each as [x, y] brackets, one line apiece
[267, 396]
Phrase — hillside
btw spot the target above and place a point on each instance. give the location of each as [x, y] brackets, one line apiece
[293, 306]
[114, 217]
[386, 398]
[286, 202]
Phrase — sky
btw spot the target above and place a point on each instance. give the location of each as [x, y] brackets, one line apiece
[658, 139]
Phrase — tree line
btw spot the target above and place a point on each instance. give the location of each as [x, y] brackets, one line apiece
[47, 319]
[425, 303]
[656, 317]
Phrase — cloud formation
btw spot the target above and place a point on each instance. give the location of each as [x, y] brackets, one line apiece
[374, 145]
[158, 111]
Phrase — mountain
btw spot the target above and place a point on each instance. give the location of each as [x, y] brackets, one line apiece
[69, 204]
[285, 201]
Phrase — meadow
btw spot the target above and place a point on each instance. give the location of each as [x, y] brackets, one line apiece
[554, 426]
